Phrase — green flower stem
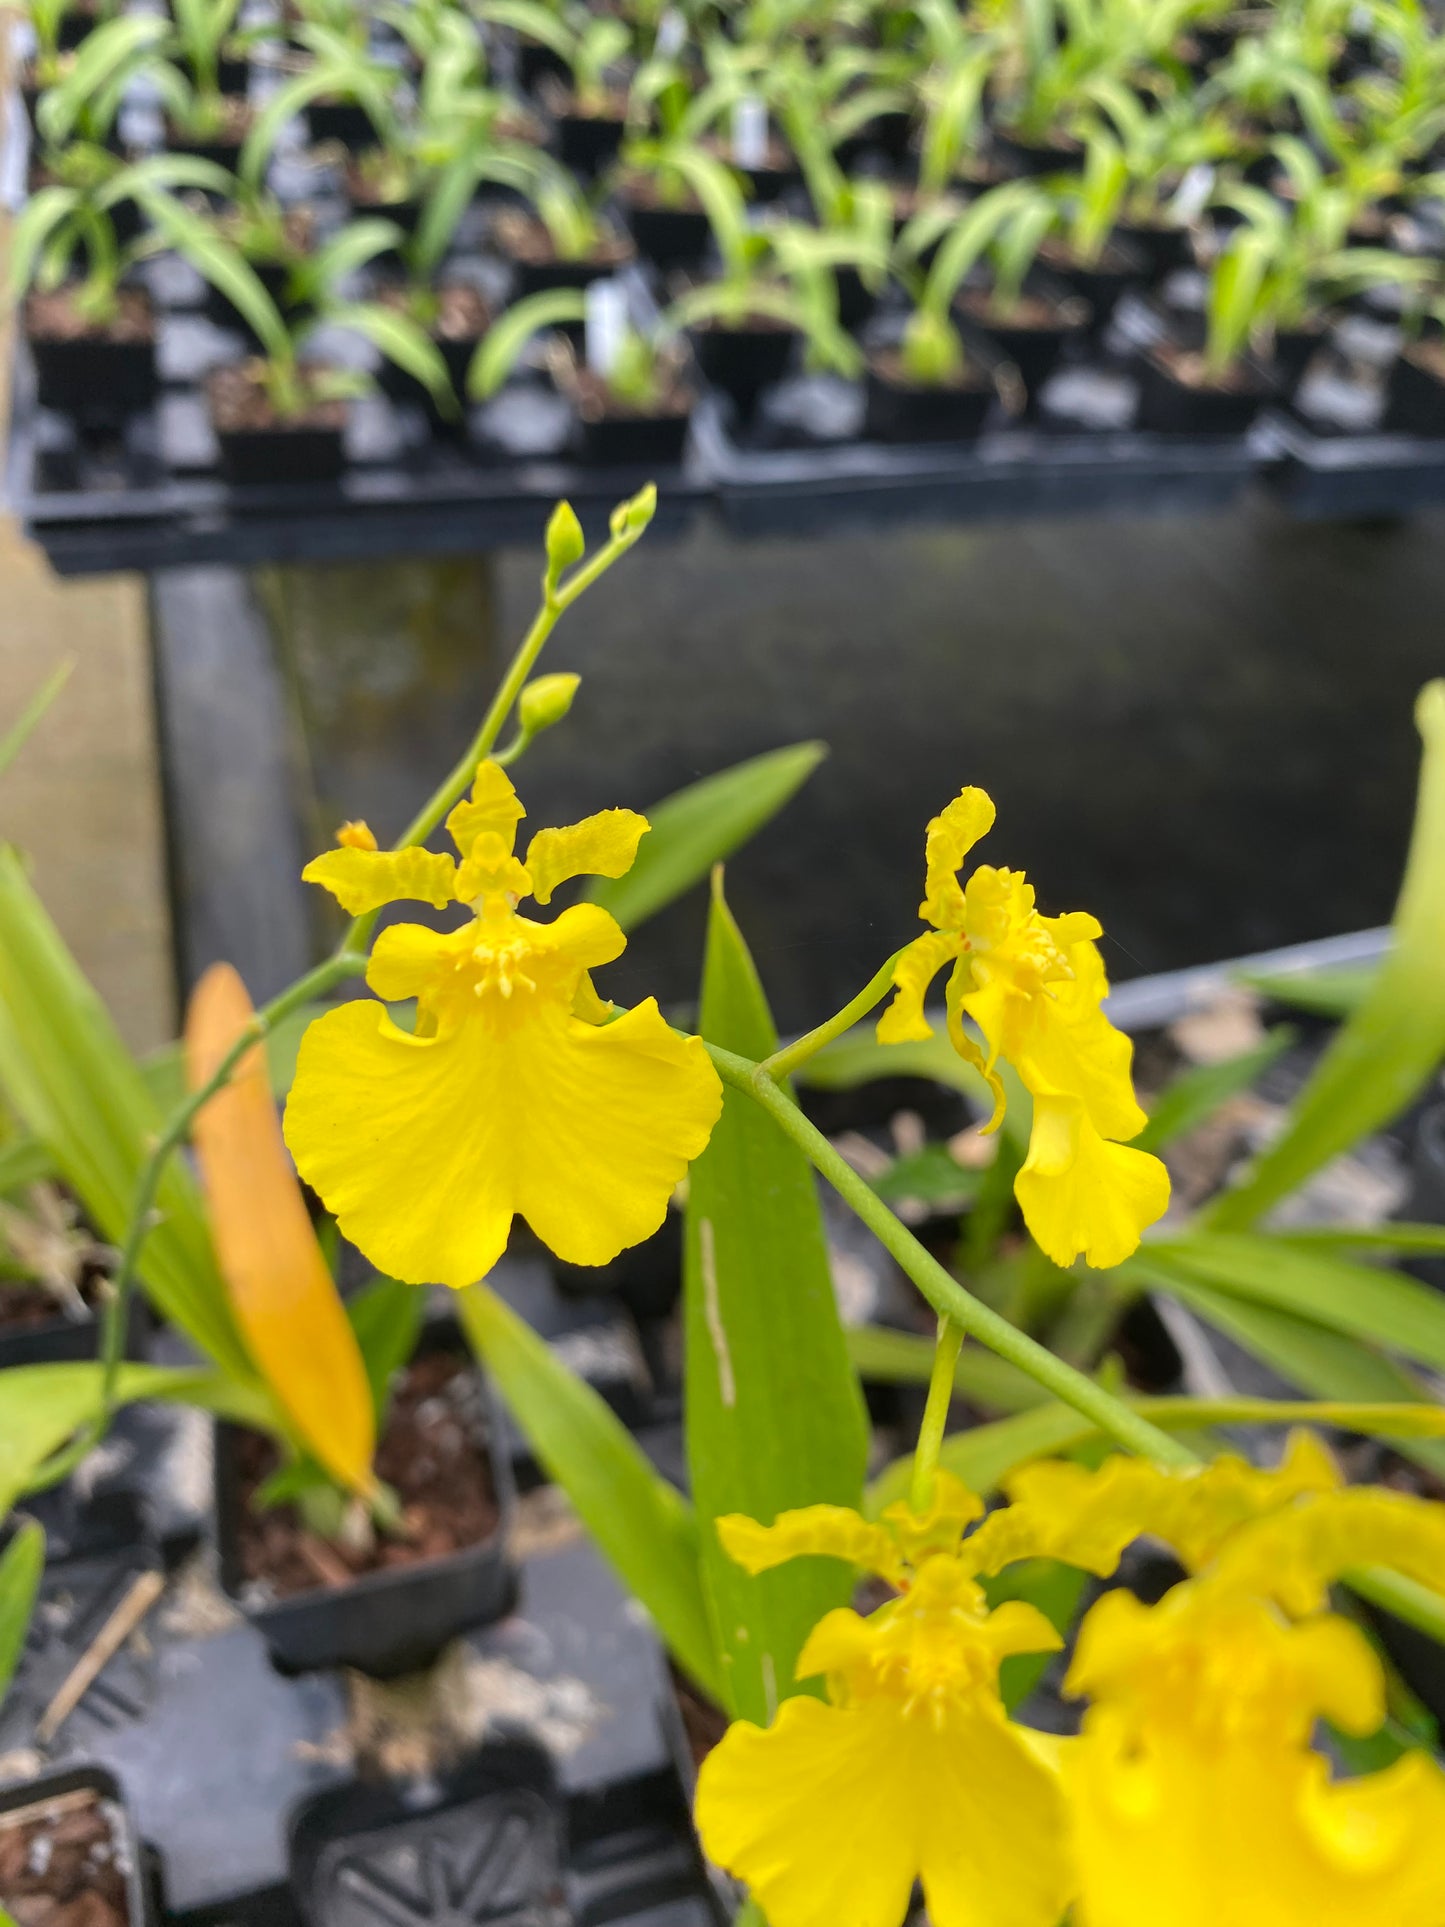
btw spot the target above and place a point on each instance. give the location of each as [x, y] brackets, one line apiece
[949, 1298]
[1406, 1598]
[935, 1415]
[628, 525]
[117, 1309]
[781, 1065]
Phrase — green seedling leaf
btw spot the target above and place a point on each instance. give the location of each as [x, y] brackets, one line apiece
[19, 732]
[1196, 1094]
[502, 346]
[69, 1079]
[774, 1417]
[641, 1524]
[699, 826]
[24, 1162]
[1390, 1048]
[387, 1319]
[932, 1177]
[41, 1406]
[1337, 990]
[21, 1565]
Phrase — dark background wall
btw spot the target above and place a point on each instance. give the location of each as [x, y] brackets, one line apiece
[1200, 730]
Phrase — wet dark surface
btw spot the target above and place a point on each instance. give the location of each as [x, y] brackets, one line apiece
[1200, 730]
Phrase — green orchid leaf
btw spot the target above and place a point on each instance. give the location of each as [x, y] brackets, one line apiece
[387, 1319]
[1336, 990]
[642, 1526]
[69, 1079]
[1197, 1093]
[774, 1417]
[41, 1406]
[1389, 1049]
[21, 1566]
[932, 1177]
[701, 825]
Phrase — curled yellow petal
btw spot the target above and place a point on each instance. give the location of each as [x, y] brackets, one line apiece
[281, 1290]
[832, 1531]
[604, 845]
[918, 964]
[1082, 1196]
[951, 835]
[1294, 1556]
[356, 836]
[364, 879]
[492, 804]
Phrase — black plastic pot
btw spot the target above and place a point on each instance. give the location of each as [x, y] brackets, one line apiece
[1032, 158]
[743, 361]
[1101, 283]
[1294, 350]
[233, 75]
[95, 381]
[497, 1827]
[856, 300]
[258, 457]
[39, 1792]
[903, 411]
[1161, 249]
[1414, 398]
[70, 1340]
[382, 1623]
[220, 308]
[1034, 348]
[536, 63]
[646, 1277]
[1169, 406]
[343, 121]
[668, 237]
[588, 144]
[887, 134]
[634, 441]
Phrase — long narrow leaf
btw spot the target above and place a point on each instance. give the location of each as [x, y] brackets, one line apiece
[1379, 1307]
[885, 1357]
[702, 825]
[18, 734]
[643, 1526]
[1392, 1045]
[773, 1413]
[1197, 1093]
[280, 1287]
[42, 1405]
[67, 1076]
[985, 1456]
[20, 1568]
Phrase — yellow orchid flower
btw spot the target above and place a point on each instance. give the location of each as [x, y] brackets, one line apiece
[911, 1770]
[1194, 1794]
[515, 1094]
[1034, 986]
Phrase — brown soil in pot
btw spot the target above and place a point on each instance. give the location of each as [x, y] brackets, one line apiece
[777, 155]
[239, 402]
[703, 1723]
[527, 240]
[61, 1865]
[463, 312]
[368, 188]
[596, 401]
[54, 317]
[1187, 366]
[1429, 355]
[27, 1307]
[234, 124]
[1029, 311]
[887, 364]
[434, 1457]
[562, 103]
[641, 190]
[747, 323]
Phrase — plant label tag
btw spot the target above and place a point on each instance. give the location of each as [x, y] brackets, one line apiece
[671, 34]
[606, 324]
[750, 131]
[1194, 192]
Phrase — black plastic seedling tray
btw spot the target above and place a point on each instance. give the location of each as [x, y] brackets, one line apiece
[1321, 476]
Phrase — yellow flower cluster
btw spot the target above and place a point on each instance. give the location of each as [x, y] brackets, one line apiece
[519, 1090]
[1034, 985]
[1192, 1797]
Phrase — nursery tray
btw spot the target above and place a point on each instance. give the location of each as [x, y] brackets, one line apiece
[1012, 472]
[267, 1799]
[1320, 476]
